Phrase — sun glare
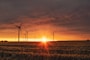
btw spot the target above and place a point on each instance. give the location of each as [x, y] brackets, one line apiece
[44, 39]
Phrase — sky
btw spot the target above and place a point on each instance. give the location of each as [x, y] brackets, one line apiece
[68, 20]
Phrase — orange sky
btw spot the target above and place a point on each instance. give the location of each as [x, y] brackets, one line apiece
[36, 35]
[38, 29]
[69, 20]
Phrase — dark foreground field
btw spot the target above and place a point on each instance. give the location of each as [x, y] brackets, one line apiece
[79, 50]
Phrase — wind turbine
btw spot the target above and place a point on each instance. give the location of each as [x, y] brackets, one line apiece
[19, 30]
[26, 35]
[53, 35]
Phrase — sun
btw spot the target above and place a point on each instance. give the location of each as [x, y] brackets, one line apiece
[44, 39]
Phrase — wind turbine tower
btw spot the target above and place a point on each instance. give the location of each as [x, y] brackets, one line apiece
[19, 30]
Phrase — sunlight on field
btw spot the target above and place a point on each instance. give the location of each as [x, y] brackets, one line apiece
[63, 50]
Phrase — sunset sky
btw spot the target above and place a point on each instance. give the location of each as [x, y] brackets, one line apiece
[68, 19]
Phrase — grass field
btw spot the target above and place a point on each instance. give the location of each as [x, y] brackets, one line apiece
[63, 50]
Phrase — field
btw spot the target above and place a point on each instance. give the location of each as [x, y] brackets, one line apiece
[60, 50]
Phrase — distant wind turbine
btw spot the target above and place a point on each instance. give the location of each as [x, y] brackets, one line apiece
[26, 35]
[53, 35]
[19, 30]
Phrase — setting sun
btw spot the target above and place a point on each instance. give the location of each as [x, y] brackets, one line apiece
[44, 39]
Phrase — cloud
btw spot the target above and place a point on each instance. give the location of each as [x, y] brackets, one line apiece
[72, 15]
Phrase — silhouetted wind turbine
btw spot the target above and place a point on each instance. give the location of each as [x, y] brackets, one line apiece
[53, 35]
[26, 35]
[19, 30]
